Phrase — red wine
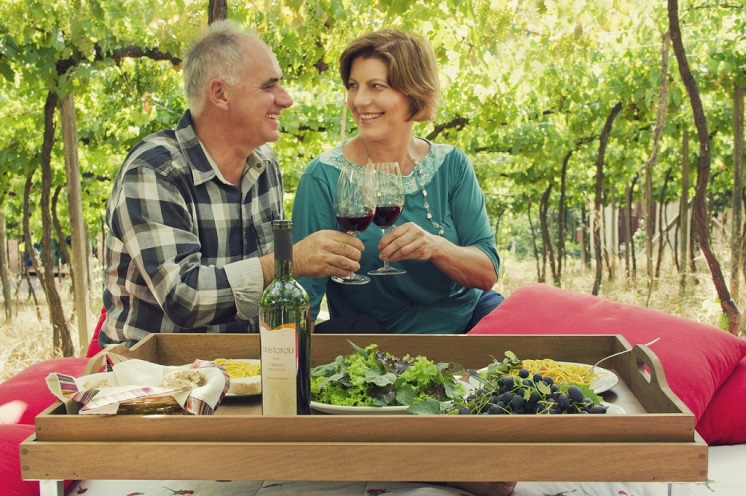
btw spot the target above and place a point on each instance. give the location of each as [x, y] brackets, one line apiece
[386, 215]
[355, 224]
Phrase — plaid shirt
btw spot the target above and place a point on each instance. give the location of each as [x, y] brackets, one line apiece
[182, 243]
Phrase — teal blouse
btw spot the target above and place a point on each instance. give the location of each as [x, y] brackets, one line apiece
[424, 300]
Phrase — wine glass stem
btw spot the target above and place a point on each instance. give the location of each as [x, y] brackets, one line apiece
[385, 262]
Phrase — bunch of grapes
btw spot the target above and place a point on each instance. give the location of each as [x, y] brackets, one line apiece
[505, 394]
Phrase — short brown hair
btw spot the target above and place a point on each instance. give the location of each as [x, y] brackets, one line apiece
[411, 65]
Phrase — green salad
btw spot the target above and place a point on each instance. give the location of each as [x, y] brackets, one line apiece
[370, 377]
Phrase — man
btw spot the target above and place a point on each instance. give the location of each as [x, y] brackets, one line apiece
[189, 244]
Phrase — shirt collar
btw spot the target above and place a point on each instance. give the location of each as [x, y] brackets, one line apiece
[203, 167]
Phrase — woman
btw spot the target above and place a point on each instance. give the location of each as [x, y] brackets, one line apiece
[442, 238]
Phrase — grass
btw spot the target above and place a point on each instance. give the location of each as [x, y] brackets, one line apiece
[697, 302]
[29, 338]
[26, 340]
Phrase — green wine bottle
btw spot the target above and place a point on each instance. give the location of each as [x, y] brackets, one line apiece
[285, 334]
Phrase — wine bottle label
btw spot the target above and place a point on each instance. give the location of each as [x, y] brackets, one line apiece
[279, 370]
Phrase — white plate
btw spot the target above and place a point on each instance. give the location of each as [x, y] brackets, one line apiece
[603, 381]
[258, 393]
[613, 409]
[358, 410]
[371, 410]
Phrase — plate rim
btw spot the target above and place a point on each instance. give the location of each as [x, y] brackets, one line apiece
[620, 410]
[339, 409]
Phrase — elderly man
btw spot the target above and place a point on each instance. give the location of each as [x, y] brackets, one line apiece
[189, 243]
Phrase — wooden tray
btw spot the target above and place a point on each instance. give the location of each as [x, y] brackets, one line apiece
[656, 440]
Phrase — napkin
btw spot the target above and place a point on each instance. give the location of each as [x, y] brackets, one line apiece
[133, 379]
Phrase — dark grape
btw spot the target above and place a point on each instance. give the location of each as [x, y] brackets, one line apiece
[576, 394]
[504, 394]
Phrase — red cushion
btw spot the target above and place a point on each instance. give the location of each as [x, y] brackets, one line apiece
[696, 358]
[25, 395]
[724, 419]
[10, 462]
[93, 346]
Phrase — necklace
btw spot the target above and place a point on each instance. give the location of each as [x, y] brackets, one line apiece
[416, 171]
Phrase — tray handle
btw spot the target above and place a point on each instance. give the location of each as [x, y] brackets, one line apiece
[648, 383]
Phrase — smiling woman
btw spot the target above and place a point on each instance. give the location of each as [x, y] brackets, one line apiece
[443, 238]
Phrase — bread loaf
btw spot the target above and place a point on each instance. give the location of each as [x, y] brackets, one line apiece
[184, 378]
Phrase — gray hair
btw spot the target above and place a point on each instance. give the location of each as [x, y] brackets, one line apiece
[218, 53]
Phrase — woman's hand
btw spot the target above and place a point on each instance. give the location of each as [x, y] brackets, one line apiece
[466, 265]
[407, 242]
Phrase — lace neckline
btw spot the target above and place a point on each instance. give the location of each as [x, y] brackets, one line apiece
[421, 175]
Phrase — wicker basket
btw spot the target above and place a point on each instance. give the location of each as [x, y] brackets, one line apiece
[158, 404]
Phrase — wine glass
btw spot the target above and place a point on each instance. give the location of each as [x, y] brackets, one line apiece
[389, 205]
[354, 205]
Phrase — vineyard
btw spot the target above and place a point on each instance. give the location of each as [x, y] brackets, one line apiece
[607, 135]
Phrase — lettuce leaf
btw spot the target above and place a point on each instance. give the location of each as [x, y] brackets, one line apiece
[370, 377]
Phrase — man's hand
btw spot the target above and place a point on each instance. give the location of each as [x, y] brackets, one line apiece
[327, 253]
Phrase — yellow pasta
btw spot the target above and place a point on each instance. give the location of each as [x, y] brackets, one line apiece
[239, 368]
[560, 372]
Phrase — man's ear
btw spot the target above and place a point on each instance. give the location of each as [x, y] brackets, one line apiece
[218, 93]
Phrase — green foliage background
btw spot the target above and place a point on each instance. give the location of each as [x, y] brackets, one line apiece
[524, 82]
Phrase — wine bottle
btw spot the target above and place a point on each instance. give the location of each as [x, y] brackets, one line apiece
[285, 334]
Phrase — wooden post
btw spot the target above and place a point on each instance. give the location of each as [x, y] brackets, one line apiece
[79, 236]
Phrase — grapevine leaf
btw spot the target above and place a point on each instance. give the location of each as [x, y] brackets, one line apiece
[543, 388]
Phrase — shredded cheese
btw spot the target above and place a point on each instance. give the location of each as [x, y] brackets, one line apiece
[560, 372]
[239, 368]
